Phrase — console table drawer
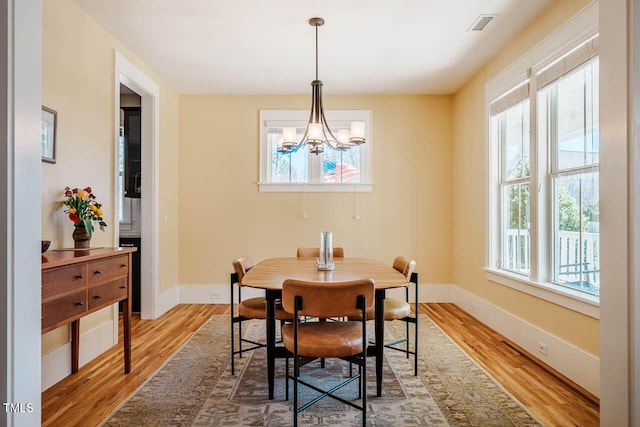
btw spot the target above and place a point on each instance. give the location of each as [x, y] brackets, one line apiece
[63, 279]
[109, 292]
[63, 308]
[102, 270]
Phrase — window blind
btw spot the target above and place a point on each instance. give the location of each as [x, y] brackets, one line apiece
[512, 98]
[563, 66]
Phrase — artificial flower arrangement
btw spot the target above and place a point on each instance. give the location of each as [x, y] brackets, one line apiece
[83, 208]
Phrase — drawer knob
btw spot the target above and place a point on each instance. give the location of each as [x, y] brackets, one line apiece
[79, 303]
[123, 265]
[97, 272]
[123, 287]
[97, 297]
[79, 276]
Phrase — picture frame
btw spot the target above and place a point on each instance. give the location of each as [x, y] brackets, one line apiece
[48, 134]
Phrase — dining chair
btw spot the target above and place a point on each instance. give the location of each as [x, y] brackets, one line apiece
[400, 309]
[338, 252]
[250, 308]
[308, 341]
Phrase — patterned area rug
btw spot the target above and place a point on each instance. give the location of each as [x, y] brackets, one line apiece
[196, 388]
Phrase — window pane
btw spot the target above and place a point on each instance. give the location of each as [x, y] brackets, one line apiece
[577, 118]
[292, 167]
[576, 212]
[341, 166]
[515, 228]
[515, 142]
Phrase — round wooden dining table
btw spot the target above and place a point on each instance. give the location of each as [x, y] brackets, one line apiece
[269, 275]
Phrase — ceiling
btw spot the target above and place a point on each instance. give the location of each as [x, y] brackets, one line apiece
[267, 47]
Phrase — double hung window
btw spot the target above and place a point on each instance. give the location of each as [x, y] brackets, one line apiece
[544, 175]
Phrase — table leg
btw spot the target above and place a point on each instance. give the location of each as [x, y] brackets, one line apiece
[75, 345]
[379, 325]
[126, 325]
[270, 297]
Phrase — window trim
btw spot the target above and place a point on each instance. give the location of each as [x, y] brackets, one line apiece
[299, 118]
[573, 33]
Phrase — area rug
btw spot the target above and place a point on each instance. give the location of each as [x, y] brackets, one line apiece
[196, 388]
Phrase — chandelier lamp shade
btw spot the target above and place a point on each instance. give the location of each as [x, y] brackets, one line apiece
[317, 134]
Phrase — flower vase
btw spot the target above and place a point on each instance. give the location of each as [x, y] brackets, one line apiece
[81, 237]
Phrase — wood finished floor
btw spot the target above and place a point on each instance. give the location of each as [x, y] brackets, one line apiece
[87, 398]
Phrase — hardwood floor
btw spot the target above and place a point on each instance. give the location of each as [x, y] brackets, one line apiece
[88, 397]
[554, 399]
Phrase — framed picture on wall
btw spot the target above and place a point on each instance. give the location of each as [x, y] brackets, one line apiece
[48, 135]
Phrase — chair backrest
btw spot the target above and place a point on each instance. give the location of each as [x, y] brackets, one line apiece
[404, 266]
[322, 299]
[241, 265]
[338, 252]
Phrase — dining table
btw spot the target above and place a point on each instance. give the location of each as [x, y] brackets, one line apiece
[269, 274]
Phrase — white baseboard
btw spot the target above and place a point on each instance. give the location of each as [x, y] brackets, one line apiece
[213, 294]
[167, 300]
[56, 364]
[577, 365]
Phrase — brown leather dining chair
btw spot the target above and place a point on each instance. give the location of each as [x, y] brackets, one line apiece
[250, 308]
[338, 252]
[308, 341]
[400, 309]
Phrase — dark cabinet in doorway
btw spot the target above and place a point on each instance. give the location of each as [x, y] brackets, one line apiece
[132, 152]
[133, 242]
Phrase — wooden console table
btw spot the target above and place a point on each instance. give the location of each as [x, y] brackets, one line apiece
[78, 282]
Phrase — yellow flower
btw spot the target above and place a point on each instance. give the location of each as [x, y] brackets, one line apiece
[72, 210]
[83, 195]
[93, 208]
[99, 212]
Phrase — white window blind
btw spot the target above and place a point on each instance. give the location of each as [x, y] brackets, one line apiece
[510, 99]
[574, 59]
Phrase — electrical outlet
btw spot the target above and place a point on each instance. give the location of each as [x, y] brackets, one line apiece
[542, 348]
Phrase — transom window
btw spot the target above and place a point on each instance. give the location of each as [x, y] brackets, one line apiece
[301, 170]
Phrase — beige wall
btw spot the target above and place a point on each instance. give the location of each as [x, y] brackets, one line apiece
[223, 215]
[78, 82]
[470, 195]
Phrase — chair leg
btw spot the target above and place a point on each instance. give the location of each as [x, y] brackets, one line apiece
[363, 391]
[233, 367]
[240, 339]
[286, 377]
[295, 390]
[406, 325]
[415, 345]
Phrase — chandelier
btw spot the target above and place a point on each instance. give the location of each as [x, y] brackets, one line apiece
[318, 133]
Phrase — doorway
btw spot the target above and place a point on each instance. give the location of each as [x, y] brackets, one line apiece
[130, 185]
[142, 180]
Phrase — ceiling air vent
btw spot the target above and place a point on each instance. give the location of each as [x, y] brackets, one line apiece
[481, 22]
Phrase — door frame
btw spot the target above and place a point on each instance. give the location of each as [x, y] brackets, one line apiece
[128, 74]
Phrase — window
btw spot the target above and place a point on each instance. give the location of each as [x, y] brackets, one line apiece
[544, 173]
[511, 133]
[571, 109]
[331, 170]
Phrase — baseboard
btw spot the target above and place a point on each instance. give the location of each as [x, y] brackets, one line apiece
[167, 300]
[212, 294]
[56, 364]
[577, 365]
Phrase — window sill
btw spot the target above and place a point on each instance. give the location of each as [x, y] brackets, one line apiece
[314, 188]
[573, 300]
